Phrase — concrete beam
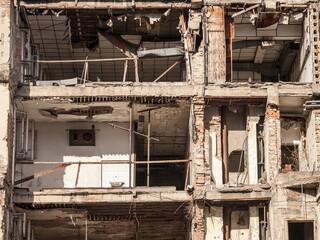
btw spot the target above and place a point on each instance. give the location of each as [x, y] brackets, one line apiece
[106, 4]
[236, 90]
[217, 197]
[113, 89]
[162, 89]
[77, 196]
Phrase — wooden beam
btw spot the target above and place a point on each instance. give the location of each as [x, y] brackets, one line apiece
[108, 4]
[84, 60]
[245, 10]
[148, 152]
[39, 174]
[166, 71]
[128, 48]
[187, 176]
[226, 222]
[106, 162]
[130, 143]
[125, 70]
[225, 145]
[229, 36]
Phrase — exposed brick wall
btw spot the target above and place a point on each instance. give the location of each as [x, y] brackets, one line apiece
[272, 131]
[201, 175]
[199, 223]
[200, 165]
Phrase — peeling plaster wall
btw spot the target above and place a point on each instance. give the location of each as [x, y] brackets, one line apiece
[214, 223]
[53, 145]
[5, 13]
[290, 204]
[311, 151]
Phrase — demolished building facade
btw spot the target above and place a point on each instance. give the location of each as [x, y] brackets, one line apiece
[160, 119]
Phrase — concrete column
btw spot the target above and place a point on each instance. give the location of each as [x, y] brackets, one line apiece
[317, 136]
[254, 223]
[252, 150]
[214, 223]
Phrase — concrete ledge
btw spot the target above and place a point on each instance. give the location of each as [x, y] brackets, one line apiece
[298, 179]
[162, 89]
[130, 90]
[235, 194]
[73, 196]
[57, 4]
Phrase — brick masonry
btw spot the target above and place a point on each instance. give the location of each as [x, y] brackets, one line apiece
[272, 141]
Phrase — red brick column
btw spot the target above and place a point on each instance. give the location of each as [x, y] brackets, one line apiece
[201, 168]
[199, 223]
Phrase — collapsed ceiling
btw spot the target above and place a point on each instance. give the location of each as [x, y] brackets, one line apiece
[101, 34]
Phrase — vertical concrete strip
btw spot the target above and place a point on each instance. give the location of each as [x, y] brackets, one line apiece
[216, 163]
[252, 150]
[254, 222]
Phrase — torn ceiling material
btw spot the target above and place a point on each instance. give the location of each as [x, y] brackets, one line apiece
[89, 111]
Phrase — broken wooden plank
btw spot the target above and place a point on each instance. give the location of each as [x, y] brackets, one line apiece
[245, 10]
[39, 174]
[166, 71]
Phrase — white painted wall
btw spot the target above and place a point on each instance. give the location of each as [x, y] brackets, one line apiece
[214, 223]
[252, 150]
[52, 144]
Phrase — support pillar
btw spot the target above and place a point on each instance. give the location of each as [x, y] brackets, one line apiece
[252, 150]
[200, 167]
[254, 222]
